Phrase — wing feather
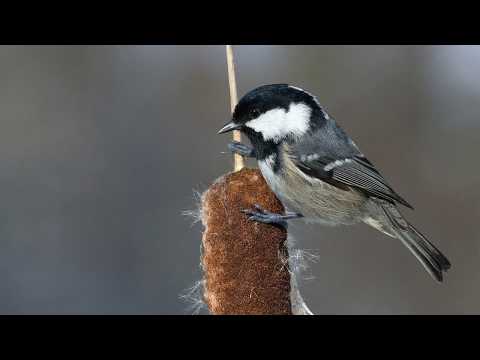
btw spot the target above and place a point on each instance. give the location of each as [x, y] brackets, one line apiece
[329, 155]
[356, 172]
[368, 179]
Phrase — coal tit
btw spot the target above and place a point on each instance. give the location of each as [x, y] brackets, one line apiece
[317, 171]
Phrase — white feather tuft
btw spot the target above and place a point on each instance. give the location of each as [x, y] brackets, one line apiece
[196, 214]
[194, 296]
[298, 262]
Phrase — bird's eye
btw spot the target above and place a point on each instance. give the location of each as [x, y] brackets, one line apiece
[255, 113]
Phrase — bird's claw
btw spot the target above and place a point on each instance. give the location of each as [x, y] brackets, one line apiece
[267, 217]
[241, 149]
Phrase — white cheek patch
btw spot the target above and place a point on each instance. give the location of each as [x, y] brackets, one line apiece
[276, 124]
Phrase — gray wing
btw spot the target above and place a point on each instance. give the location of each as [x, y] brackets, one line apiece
[330, 155]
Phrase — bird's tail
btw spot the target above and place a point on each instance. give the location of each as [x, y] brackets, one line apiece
[395, 225]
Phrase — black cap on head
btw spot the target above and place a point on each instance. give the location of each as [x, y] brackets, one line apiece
[267, 97]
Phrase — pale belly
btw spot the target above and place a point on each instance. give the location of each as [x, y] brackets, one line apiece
[316, 200]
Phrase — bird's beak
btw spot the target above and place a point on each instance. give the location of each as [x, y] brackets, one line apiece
[229, 127]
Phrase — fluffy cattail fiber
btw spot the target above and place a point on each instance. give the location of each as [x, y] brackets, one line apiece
[245, 263]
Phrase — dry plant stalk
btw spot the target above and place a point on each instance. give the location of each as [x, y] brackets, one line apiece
[245, 263]
[238, 161]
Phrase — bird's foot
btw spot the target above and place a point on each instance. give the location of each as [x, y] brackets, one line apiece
[267, 217]
[241, 149]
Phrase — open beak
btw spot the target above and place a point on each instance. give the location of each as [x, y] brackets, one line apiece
[229, 127]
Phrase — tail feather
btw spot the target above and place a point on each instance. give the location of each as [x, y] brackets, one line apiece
[444, 262]
[429, 256]
[429, 261]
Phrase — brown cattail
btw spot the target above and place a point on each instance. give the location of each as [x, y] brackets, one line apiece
[245, 262]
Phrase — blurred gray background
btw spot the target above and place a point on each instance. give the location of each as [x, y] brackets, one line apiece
[101, 148]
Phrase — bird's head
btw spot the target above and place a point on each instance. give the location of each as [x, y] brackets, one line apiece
[272, 114]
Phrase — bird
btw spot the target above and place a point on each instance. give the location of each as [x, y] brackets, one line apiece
[318, 171]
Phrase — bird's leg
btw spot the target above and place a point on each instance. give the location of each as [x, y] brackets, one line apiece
[241, 149]
[268, 217]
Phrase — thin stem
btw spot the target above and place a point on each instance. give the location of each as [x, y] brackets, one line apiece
[238, 160]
